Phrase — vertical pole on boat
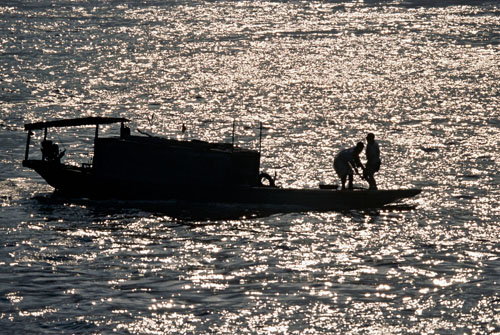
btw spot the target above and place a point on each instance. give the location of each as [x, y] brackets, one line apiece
[233, 134]
[45, 134]
[96, 133]
[26, 154]
[260, 138]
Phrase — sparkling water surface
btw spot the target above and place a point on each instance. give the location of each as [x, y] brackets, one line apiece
[422, 75]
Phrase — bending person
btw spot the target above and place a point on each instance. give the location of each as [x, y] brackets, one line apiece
[347, 160]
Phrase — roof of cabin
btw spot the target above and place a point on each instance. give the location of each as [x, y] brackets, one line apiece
[167, 142]
[86, 121]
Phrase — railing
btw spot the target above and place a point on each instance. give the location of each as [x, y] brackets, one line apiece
[246, 134]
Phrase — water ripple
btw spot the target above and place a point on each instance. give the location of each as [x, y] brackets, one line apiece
[422, 76]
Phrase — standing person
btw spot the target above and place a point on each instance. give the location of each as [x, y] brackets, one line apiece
[347, 160]
[372, 160]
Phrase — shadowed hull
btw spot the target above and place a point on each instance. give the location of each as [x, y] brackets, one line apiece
[79, 182]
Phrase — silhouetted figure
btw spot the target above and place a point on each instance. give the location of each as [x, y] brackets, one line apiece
[50, 151]
[372, 160]
[347, 160]
[124, 132]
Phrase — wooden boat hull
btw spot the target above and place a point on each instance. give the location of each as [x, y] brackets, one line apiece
[83, 183]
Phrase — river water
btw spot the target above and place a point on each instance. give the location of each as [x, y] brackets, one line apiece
[422, 75]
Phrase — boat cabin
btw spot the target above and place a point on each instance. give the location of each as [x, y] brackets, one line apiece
[141, 160]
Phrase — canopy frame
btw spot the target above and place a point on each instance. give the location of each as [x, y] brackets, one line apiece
[85, 121]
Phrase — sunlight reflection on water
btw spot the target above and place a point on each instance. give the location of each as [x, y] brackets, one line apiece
[320, 76]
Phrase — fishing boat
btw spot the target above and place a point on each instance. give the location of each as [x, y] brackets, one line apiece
[142, 167]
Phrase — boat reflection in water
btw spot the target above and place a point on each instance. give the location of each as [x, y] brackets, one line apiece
[185, 173]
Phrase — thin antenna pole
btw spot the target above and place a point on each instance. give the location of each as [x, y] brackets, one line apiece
[233, 133]
[260, 138]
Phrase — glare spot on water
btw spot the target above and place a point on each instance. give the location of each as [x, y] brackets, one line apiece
[320, 76]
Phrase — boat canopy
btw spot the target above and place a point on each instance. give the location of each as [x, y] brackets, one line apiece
[86, 121]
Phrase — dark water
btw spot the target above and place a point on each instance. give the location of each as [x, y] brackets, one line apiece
[422, 75]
